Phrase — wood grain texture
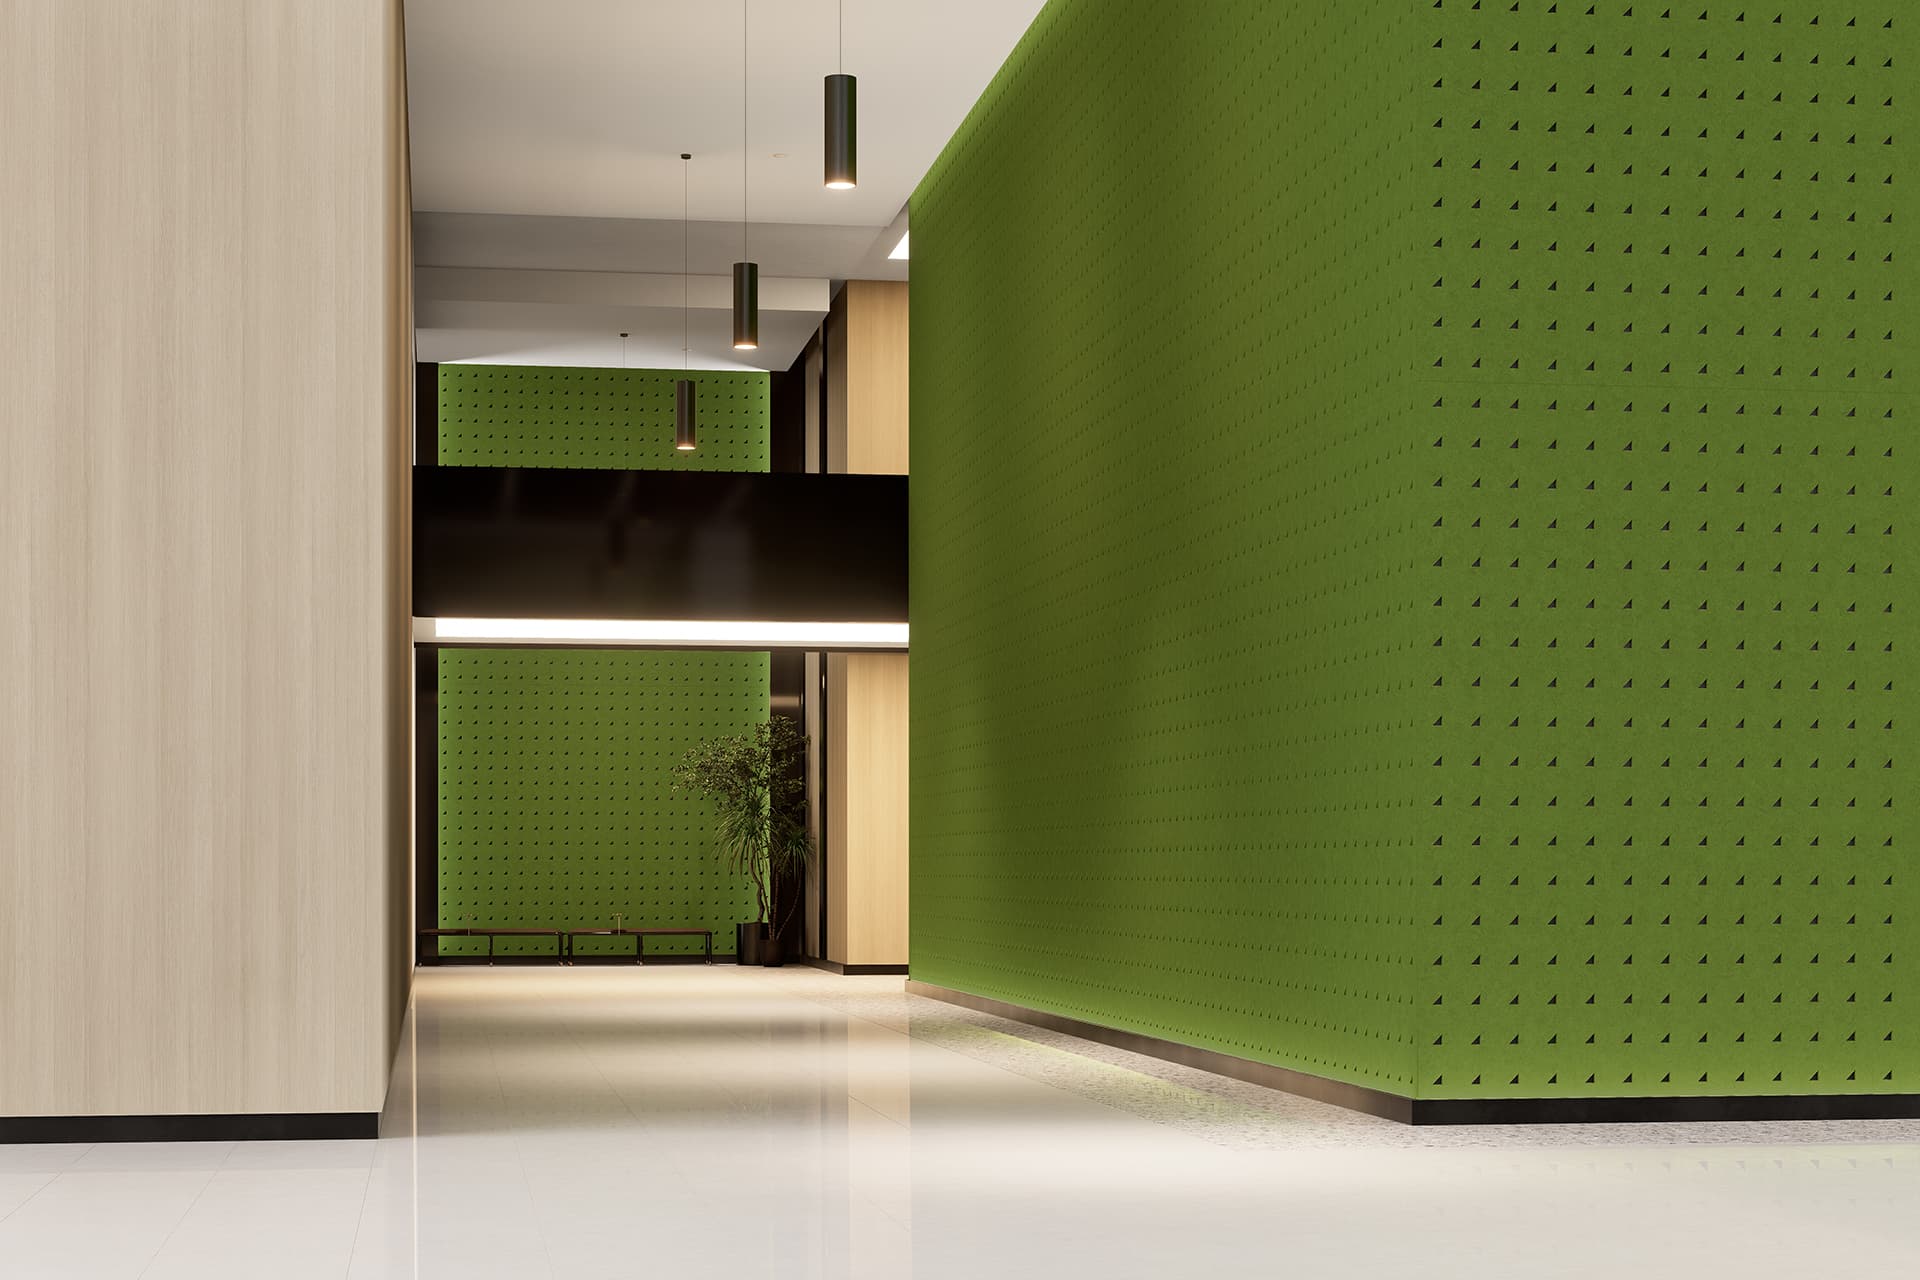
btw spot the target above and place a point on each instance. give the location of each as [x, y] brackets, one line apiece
[866, 870]
[834, 332]
[876, 374]
[813, 941]
[867, 698]
[402, 385]
[811, 380]
[838, 878]
[203, 534]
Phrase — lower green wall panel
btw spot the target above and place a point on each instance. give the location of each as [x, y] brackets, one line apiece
[557, 807]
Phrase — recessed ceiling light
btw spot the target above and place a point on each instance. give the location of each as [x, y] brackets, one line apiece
[900, 250]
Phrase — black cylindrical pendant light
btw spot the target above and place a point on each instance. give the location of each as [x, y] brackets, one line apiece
[843, 126]
[683, 389]
[683, 415]
[746, 306]
[842, 142]
[746, 273]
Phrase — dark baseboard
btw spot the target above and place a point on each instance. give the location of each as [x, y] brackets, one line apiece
[191, 1128]
[1835, 1106]
[1454, 1111]
[1355, 1097]
[855, 970]
[428, 962]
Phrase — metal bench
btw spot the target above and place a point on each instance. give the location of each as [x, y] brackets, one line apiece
[639, 937]
[559, 937]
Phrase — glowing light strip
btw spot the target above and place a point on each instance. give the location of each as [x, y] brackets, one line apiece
[673, 632]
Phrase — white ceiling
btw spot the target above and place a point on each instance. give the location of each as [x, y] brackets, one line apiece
[581, 108]
[527, 289]
[564, 120]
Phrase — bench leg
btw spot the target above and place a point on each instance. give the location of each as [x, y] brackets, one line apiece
[639, 948]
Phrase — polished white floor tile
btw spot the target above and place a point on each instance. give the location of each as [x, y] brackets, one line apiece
[97, 1225]
[358, 1154]
[137, 1157]
[27, 1169]
[18, 1188]
[40, 1157]
[292, 1224]
[384, 1242]
[797, 1125]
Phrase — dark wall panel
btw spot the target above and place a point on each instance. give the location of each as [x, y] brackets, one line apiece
[559, 543]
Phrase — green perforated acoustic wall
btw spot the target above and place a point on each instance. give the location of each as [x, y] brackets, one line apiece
[540, 416]
[1417, 598]
[1164, 531]
[1663, 300]
[556, 806]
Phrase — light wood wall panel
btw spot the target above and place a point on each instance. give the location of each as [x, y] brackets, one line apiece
[837, 867]
[813, 895]
[203, 530]
[877, 377]
[867, 381]
[398, 442]
[867, 693]
[836, 369]
[867, 696]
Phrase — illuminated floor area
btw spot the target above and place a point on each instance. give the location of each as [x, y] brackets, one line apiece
[700, 1122]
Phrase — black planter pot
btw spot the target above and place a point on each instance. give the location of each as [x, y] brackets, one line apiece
[755, 943]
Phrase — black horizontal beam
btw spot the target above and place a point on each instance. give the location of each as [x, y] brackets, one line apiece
[539, 542]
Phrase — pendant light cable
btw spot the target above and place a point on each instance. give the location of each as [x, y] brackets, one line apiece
[683, 397]
[743, 130]
[686, 255]
[842, 110]
[746, 272]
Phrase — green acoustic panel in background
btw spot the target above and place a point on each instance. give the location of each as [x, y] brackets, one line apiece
[532, 416]
[1165, 759]
[1406, 557]
[557, 805]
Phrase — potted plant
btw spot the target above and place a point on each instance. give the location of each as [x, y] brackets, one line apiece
[756, 782]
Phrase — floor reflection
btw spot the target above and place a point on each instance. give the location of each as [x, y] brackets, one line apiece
[717, 1121]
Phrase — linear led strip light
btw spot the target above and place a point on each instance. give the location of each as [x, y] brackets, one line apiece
[676, 633]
